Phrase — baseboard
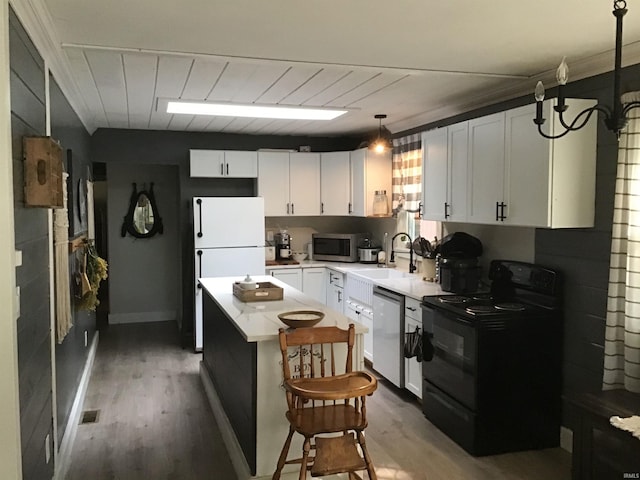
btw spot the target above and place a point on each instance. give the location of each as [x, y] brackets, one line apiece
[566, 439]
[64, 453]
[141, 317]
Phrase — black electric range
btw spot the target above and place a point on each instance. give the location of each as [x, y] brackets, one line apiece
[492, 378]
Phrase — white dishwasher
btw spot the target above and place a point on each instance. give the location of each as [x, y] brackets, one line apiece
[388, 335]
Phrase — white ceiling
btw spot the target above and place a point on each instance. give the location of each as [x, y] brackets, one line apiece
[415, 60]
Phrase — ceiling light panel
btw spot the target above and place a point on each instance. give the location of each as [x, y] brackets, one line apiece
[252, 111]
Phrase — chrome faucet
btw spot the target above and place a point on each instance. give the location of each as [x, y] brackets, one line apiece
[412, 267]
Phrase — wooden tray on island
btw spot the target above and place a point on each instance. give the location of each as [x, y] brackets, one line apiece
[266, 291]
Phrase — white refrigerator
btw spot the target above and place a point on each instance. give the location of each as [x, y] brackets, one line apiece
[228, 236]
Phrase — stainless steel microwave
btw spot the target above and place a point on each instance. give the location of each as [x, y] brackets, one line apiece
[336, 247]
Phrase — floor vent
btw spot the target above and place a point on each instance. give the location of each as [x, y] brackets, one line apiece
[89, 416]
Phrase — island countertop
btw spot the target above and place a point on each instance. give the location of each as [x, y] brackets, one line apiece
[258, 321]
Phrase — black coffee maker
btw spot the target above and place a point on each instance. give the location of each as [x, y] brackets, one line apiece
[283, 245]
[458, 269]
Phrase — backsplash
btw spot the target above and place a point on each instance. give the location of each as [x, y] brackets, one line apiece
[301, 228]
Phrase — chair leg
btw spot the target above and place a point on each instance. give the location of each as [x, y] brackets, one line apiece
[367, 459]
[283, 455]
[305, 456]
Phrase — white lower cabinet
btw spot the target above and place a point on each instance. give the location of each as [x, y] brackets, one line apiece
[314, 284]
[412, 368]
[290, 276]
[335, 290]
[363, 315]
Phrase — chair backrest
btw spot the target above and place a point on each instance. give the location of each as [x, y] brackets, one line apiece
[317, 352]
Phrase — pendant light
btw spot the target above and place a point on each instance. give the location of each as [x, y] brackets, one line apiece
[615, 118]
[383, 142]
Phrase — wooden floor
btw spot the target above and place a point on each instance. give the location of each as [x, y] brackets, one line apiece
[155, 423]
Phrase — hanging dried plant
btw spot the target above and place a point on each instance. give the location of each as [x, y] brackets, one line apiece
[95, 271]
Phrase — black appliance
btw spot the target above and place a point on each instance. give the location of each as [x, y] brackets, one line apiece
[283, 245]
[457, 264]
[493, 383]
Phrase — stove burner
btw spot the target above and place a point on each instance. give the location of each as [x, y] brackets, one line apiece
[453, 299]
[510, 306]
[480, 309]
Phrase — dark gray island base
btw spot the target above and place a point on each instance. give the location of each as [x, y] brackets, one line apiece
[230, 362]
[241, 371]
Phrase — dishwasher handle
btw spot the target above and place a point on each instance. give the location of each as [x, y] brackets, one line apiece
[388, 294]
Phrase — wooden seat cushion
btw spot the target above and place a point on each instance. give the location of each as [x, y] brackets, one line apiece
[326, 419]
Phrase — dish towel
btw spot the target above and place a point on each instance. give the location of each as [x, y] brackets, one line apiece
[629, 424]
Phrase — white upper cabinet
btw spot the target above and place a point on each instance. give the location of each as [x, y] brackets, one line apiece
[335, 188]
[223, 163]
[444, 173]
[550, 183]
[517, 177]
[304, 183]
[289, 183]
[273, 182]
[485, 168]
[370, 172]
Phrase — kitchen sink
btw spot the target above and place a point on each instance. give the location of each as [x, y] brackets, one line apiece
[382, 273]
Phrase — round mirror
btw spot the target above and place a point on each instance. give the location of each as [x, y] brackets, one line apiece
[143, 214]
[142, 219]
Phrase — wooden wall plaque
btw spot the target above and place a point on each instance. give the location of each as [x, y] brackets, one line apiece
[42, 172]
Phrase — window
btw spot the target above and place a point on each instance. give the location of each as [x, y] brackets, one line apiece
[407, 183]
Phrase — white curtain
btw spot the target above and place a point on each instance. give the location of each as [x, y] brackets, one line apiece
[622, 333]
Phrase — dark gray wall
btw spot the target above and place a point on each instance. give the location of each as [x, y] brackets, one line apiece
[143, 147]
[32, 238]
[581, 255]
[152, 264]
[71, 354]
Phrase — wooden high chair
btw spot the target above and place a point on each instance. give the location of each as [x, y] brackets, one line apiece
[322, 401]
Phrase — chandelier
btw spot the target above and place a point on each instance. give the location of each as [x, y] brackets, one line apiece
[615, 118]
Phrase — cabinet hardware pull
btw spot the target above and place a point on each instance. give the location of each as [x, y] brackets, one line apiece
[502, 215]
[199, 266]
[321, 207]
[199, 202]
[222, 169]
[420, 213]
[413, 309]
[446, 210]
[292, 211]
[339, 296]
[227, 169]
[287, 209]
[497, 211]
[349, 209]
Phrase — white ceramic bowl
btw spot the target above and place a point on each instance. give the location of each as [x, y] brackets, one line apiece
[299, 256]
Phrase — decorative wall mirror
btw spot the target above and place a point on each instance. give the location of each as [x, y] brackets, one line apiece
[143, 219]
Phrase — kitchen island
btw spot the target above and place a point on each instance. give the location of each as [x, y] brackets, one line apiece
[241, 370]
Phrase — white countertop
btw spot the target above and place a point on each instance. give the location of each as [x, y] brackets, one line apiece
[258, 321]
[413, 286]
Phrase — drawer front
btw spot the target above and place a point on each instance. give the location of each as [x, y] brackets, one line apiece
[412, 309]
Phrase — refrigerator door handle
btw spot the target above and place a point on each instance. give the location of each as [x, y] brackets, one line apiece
[199, 252]
[199, 202]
